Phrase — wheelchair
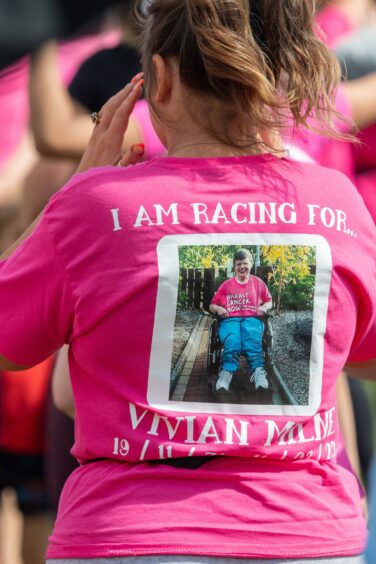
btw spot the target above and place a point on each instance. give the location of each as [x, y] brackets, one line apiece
[245, 391]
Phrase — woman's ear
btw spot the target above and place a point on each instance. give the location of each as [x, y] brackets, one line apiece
[163, 79]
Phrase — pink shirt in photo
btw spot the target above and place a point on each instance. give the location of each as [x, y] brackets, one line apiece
[242, 299]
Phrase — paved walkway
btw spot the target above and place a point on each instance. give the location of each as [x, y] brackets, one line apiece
[193, 386]
[192, 381]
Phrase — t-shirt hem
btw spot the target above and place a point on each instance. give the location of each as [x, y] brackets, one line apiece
[203, 550]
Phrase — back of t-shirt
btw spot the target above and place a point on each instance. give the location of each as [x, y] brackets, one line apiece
[136, 255]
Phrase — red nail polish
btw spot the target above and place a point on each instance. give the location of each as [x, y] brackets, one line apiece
[139, 148]
[137, 77]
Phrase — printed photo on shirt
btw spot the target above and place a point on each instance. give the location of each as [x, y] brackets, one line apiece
[241, 337]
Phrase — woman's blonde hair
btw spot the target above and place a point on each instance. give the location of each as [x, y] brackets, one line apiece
[259, 58]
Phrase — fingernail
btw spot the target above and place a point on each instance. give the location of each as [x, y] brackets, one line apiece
[134, 85]
[137, 77]
[138, 149]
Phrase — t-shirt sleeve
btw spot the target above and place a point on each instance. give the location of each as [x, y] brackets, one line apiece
[364, 343]
[218, 298]
[363, 280]
[36, 302]
[265, 293]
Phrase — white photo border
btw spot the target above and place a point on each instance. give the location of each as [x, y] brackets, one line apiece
[165, 313]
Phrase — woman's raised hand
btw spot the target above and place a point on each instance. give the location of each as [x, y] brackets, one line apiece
[105, 145]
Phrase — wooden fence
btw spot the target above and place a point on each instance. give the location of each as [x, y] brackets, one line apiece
[198, 285]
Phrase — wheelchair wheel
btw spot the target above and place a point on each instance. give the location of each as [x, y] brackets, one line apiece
[267, 340]
[213, 354]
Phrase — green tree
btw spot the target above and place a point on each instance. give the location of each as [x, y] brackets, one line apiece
[207, 256]
[203, 256]
[290, 264]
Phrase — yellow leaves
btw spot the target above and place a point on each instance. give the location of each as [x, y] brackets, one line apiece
[291, 263]
[206, 262]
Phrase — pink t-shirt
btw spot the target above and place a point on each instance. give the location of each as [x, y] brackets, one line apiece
[103, 271]
[242, 299]
[324, 150]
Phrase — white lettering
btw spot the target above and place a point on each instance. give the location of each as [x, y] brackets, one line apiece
[115, 219]
[162, 453]
[121, 446]
[341, 220]
[328, 217]
[241, 433]
[190, 429]
[134, 418]
[141, 217]
[273, 428]
[312, 213]
[172, 430]
[219, 213]
[144, 449]
[154, 426]
[324, 428]
[269, 211]
[198, 210]
[160, 211]
[234, 213]
[209, 430]
[301, 436]
[291, 218]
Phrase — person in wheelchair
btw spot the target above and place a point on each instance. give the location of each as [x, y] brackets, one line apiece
[240, 302]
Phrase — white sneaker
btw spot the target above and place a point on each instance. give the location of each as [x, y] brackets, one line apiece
[259, 377]
[224, 380]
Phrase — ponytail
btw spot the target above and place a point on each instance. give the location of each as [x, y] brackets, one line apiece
[254, 57]
[306, 72]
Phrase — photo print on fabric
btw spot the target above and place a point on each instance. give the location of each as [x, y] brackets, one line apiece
[246, 332]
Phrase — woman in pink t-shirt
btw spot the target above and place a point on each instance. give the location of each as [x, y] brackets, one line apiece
[239, 302]
[164, 475]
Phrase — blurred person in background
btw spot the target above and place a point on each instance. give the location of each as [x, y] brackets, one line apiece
[22, 458]
[349, 27]
[26, 455]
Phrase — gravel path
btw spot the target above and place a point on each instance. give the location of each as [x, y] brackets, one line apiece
[292, 344]
[184, 324]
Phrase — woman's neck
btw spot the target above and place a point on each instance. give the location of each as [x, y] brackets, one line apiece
[213, 149]
[202, 145]
[243, 280]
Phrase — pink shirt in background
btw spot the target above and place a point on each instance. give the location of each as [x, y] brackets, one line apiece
[14, 100]
[153, 146]
[101, 272]
[334, 25]
[14, 111]
[357, 162]
[325, 150]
